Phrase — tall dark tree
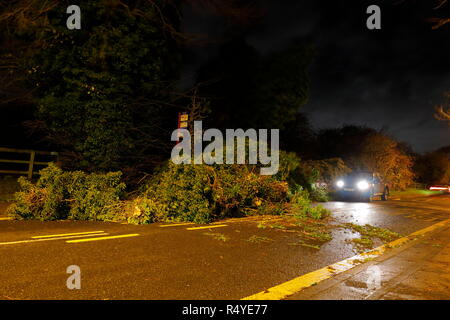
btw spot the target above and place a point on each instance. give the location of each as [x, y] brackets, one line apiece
[342, 142]
[250, 91]
[433, 167]
[299, 136]
[100, 91]
[227, 81]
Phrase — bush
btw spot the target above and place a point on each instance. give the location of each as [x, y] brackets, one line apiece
[69, 195]
[300, 206]
[292, 170]
[202, 193]
[318, 212]
[312, 175]
[327, 170]
[319, 194]
[175, 193]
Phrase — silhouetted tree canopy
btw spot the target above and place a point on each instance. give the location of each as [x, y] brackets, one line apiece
[433, 167]
[250, 91]
[364, 148]
[101, 92]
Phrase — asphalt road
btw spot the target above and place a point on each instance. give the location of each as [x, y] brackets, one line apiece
[180, 261]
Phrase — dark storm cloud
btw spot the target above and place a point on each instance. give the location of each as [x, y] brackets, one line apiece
[388, 78]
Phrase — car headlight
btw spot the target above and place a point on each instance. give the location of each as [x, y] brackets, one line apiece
[363, 185]
[340, 183]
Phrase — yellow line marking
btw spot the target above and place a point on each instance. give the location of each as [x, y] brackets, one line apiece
[66, 234]
[49, 239]
[296, 285]
[103, 238]
[215, 226]
[175, 224]
[230, 220]
[7, 218]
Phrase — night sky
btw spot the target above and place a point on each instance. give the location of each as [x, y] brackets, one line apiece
[389, 78]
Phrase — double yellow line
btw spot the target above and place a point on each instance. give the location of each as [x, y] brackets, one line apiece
[213, 225]
[104, 238]
[99, 235]
[67, 234]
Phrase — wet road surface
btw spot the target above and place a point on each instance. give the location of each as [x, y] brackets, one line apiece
[182, 261]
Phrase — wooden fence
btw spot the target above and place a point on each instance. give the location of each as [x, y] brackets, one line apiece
[31, 162]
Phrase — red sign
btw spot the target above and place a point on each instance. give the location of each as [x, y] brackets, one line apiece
[183, 118]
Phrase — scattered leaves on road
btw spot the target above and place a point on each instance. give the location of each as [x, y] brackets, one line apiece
[368, 234]
[258, 239]
[217, 236]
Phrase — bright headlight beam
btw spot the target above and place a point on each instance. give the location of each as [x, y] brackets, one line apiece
[340, 183]
[363, 185]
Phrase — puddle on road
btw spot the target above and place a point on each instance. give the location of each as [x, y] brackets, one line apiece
[376, 215]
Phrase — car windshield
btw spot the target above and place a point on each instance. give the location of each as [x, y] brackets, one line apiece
[359, 176]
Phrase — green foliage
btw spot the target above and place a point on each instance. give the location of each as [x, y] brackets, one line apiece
[202, 193]
[258, 239]
[217, 236]
[374, 232]
[312, 175]
[293, 171]
[319, 194]
[301, 206]
[176, 193]
[368, 234]
[290, 163]
[326, 170]
[318, 212]
[94, 196]
[69, 195]
[363, 243]
[99, 90]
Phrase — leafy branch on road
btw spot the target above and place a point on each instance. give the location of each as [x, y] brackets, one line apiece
[368, 234]
[217, 236]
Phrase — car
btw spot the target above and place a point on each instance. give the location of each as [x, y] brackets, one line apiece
[364, 185]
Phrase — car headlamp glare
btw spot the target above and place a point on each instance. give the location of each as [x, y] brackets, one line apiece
[363, 185]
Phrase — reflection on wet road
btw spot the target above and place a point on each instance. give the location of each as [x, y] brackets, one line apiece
[399, 215]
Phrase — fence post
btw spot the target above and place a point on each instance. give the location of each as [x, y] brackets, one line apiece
[31, 164]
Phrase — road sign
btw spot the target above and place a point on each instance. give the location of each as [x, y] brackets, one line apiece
[183, 122]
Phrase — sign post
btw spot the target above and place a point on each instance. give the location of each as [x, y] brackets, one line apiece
[183, 120]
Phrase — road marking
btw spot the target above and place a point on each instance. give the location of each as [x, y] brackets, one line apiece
[209, 227]
[175, 224]
[296, 285]
[7, 218]
[66, 234]
[103, 238]
[230, 220]
[49, 239]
